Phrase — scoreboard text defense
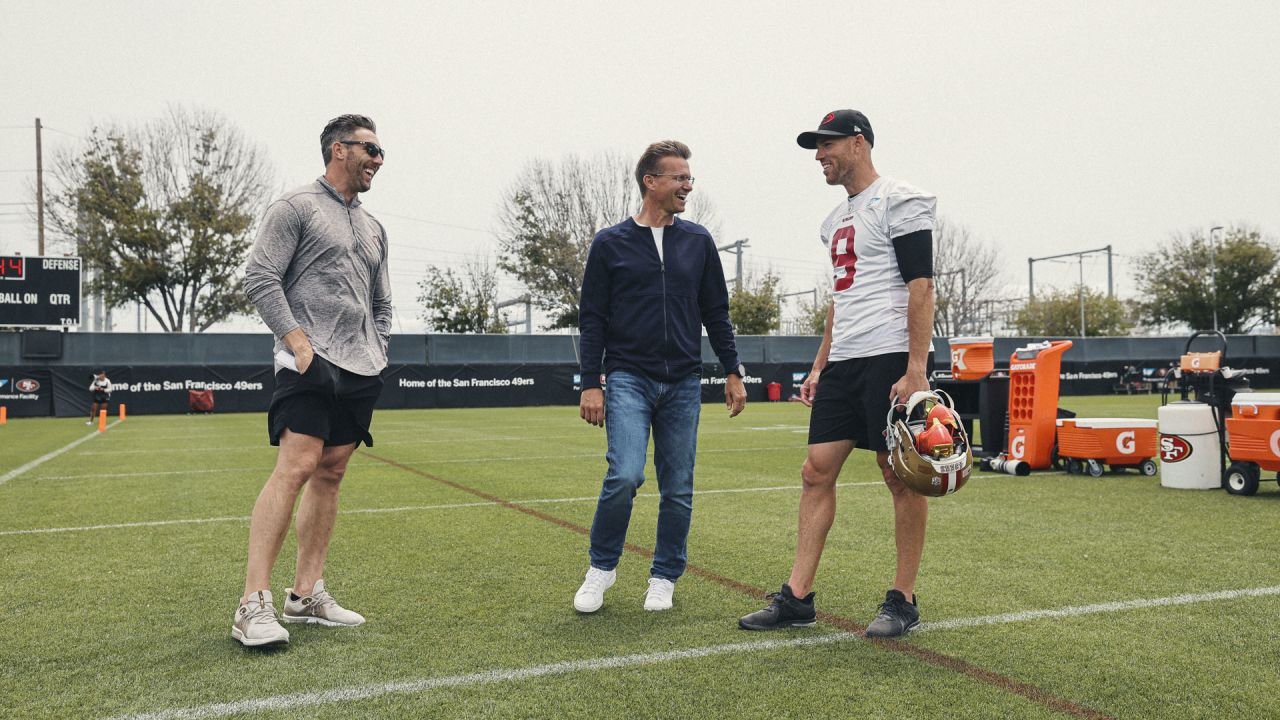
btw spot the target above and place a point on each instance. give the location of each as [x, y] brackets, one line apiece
[39, 291]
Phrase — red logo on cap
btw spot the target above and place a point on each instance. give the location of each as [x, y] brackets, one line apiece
[830, 116]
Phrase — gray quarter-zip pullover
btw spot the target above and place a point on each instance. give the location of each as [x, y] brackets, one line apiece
[321, 265]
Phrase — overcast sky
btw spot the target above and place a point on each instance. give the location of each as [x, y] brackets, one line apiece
[1042, 127]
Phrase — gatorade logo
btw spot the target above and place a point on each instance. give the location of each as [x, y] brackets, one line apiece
[1174, 449]
[1275, 443]
[957, 358]
[1126, 442]
[1017, 446]
[1195, 361]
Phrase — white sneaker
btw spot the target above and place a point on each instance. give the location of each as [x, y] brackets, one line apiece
[255, 623]
[591, 595]
[318, 607]
[659, 595]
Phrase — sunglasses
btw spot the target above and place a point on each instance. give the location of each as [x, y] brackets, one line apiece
[373, 149]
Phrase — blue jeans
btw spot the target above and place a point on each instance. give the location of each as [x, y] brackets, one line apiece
[634, 403]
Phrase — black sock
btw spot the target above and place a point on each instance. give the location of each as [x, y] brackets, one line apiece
[807, 599]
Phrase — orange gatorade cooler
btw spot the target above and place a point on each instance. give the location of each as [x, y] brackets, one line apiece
[1086, 444]
[1253, 440]
[972, 358]
[1033, 401]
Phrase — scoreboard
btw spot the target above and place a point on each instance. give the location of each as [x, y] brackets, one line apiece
[39, 291]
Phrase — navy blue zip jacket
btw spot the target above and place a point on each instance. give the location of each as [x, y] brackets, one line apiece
[641, 313]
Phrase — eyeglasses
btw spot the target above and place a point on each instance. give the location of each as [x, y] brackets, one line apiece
[373, 149]
[682, 179]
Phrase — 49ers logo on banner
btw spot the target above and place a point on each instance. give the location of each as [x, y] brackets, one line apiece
[26, 385]
[1174, 449]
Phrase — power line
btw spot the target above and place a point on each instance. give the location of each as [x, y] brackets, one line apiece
[433, 222]
[64, 132]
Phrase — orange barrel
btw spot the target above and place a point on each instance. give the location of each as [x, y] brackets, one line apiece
[1033, 401]
[972, 358]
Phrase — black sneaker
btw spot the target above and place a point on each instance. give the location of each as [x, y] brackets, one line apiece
[785, 611]
[897, 616]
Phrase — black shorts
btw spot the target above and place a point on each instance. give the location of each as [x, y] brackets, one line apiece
[101, 397]
[853, 400]
[326, 401]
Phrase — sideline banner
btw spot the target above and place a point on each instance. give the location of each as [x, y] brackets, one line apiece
[27, 392]
[154, 389]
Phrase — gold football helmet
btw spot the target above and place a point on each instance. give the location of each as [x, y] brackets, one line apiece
[933, 475]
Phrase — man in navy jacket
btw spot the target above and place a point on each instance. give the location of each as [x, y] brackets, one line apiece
[651, 283]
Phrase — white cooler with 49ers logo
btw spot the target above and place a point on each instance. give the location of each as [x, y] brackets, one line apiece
[1190, 454]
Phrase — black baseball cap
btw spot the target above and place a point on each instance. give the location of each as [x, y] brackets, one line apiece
[838, 123]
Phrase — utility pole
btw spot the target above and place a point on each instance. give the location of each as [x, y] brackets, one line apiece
[1213, 272]
[39, 191]
[812, 292]
[528, 312]
[1031, 268]
[736, 247]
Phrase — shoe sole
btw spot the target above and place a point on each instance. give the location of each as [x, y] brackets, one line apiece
[779, 626]
[904, 633]
[239, 637]
[657, 609]
[311, 619]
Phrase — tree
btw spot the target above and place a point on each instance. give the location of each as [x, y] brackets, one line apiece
[163, 215]
[755, 307]
[1177, 285]
[1058, 314]
[966, 278]
[551, 212]
[461, 302]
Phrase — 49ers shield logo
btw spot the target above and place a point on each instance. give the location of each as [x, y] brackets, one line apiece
[26, 385]
[1174, 449]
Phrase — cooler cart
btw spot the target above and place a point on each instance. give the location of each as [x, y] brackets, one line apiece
[1253, 433]
[1086, 444]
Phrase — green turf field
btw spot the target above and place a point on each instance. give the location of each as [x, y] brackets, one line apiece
[123, 561]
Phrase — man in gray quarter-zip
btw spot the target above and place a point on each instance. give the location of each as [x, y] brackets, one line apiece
[318, 276]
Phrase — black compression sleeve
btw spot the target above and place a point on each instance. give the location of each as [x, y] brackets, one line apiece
[915, 255]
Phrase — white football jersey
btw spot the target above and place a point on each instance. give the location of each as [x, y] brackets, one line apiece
[870, 296]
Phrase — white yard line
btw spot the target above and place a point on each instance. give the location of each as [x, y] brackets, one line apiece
[471, 437]
[400, 509]
[1106, 607]
[489, 677]
[51, 455]
[357, 463]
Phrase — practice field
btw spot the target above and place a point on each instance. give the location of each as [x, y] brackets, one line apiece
[461, 539]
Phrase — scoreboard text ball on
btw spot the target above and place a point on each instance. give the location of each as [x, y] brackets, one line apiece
[39, 291]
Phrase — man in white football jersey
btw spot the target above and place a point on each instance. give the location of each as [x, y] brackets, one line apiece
[875, 348]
